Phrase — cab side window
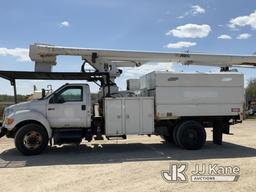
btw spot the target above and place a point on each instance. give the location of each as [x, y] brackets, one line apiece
[69, 94]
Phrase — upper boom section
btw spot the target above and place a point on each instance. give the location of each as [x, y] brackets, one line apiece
[108, 60]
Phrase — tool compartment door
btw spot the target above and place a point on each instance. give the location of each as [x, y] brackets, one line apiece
[132, 116]
[113, 117]
[129, 116]
[147, 116]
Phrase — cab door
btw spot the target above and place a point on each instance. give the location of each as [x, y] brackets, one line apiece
[67, 108]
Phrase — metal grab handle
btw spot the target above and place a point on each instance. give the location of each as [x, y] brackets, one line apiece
[83, 107]
[51, 109]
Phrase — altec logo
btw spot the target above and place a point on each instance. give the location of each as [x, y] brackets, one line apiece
[201, 173]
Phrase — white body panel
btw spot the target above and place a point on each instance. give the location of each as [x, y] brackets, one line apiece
[70, 114]
[113, 117]
[67, 115]
[129, 115]
[195, 94]
[28, 114]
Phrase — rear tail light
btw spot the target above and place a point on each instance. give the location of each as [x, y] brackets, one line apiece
[235, 110]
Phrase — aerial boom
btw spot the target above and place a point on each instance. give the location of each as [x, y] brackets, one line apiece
[109, 60]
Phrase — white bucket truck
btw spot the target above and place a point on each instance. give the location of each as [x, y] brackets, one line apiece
[176, 106]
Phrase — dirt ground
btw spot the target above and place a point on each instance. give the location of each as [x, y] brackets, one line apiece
[128, 165]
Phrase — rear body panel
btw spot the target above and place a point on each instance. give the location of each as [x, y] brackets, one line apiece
[195, 94]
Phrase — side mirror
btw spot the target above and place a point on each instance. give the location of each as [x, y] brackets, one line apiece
[58, 99]
[51, 101]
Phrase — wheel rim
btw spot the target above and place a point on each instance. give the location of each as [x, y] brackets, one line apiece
[191, 137]
[32, 140]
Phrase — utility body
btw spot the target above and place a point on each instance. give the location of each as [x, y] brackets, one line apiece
[176, 106]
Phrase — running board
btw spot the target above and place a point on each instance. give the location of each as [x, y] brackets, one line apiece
[115, 137]
[98, 137]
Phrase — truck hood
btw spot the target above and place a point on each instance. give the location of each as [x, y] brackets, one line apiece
[35, 104]
[22, 105]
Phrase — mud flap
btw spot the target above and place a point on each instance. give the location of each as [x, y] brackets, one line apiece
[226, 127]
[218, 127]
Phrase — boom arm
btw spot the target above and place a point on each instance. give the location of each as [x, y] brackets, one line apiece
[109, 60]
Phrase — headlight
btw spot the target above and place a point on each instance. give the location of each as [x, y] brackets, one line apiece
[8, 121]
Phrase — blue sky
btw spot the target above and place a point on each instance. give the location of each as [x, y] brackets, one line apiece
[208, 26]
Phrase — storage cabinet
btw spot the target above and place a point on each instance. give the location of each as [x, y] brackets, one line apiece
[129, 115]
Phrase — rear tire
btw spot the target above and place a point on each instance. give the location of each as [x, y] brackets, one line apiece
[31, 139]
[174, 133]
[190, 135]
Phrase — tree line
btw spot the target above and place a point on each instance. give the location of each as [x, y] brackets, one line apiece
[10, 98]
[251, 94]
[251, 90]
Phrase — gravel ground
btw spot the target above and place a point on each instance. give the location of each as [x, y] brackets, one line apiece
[127, 165]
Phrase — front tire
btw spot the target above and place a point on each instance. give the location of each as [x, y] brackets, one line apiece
[31, 139]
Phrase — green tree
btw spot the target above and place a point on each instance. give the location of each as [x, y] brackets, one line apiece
[251, 90]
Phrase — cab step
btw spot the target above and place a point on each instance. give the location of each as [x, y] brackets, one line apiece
[115, 137]
[98, 137]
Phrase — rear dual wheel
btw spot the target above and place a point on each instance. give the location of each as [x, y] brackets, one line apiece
[190, 135]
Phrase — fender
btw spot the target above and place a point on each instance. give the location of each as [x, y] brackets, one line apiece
[26, 115]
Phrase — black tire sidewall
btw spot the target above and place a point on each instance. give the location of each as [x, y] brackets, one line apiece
[22, 132]
[174, 134]
[183, 128]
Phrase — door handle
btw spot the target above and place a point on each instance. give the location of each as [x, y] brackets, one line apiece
[83, 107]
[51, 109]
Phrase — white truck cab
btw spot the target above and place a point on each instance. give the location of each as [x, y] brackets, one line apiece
[69, 107]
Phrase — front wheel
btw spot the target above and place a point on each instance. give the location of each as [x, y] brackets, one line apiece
[31, 139]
